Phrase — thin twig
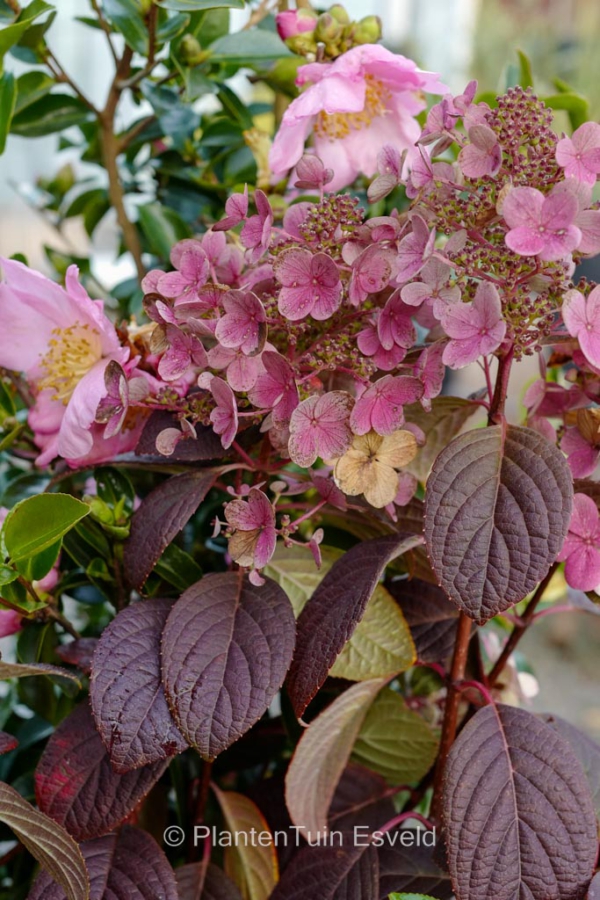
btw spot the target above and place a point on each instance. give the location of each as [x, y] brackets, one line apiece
[105, 28]
[61, 76]
[520, 629]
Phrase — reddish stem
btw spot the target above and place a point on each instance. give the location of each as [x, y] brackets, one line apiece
[449, 727]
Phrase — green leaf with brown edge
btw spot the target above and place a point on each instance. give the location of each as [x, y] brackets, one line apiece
[394, 741]
[159, 519]
[321, 756]
[37, 523]
[446, 418]
[254, 864]
[47, 841]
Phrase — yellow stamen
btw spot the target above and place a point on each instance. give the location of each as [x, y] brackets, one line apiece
[71, 354]
[337, 126]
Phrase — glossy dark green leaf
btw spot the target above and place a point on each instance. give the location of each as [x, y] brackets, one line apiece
[8, 95]
[576, 106]
[162, 228]
[39, 522]
[255, 45]
[34, 568]
[49, 115]
[12, 34]
[32, 86]
[126, 17]
[200, 5]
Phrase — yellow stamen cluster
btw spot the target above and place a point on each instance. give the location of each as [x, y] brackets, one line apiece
[337, 126]
[71, 354]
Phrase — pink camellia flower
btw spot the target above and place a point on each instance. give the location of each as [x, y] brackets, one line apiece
[433, 286]
[483, 155]
[541, 225]
[11, 622]
[581, 549]
[192, 271]
[475, 329]
[244, 323]
[354, 105]
[579, 155]
[320, 427]
[581, 315]
[311, 285]
[254, 535]
[380, 407]
[276, 388]
[63, 342]
[224, 416]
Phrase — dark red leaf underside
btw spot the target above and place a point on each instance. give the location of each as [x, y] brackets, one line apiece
[431, 617]
[349, 872]
[206, 446]
[412, 870]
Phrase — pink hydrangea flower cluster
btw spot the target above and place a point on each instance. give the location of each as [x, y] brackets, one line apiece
[320, 336]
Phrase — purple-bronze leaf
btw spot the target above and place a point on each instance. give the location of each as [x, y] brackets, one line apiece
[205, 446]
[517, 811]
[362, 798]
[594, 891]
[226, 648]
[126, 692]
[76, 785]
[57, 853]
[411, 869]
[78, 653]
[431, 617]
[497, 510]
[125, 866]
[197, 882]
[330, 617]
[162, 515]
[585, 749]
[332, 872]
[7, 743]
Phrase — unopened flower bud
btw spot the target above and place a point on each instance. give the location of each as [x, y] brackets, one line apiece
[294, 22]
[328, 30]
[367, 31]
[339, 14]
[190, 51]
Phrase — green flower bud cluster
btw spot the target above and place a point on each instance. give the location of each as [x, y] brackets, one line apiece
[334, 33]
